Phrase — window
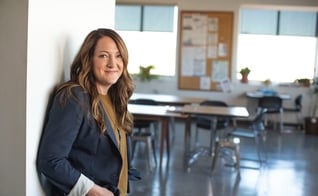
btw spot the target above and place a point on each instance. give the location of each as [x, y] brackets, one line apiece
[283, 49]
[298, 23]
[251, 20]
[150, 33]
[128, 18]
[158, 18]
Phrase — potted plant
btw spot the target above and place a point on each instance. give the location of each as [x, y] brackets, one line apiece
[303, 82]
[244, 72]
[145, 73]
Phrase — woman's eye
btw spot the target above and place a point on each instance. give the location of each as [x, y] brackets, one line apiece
[103, 56]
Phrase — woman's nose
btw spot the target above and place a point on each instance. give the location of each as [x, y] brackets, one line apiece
[111, 62]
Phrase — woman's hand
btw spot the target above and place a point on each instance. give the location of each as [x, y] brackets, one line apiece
[99, 191]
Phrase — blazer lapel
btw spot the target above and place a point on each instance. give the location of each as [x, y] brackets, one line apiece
[109, 128]
[110, 131]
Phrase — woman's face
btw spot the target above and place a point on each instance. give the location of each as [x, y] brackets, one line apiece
[107, 64]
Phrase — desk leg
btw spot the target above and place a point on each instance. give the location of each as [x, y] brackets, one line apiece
[187, 144]
[164, 138]
[214, 136]
[173, 128]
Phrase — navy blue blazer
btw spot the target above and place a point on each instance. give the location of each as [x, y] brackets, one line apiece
[72, 144]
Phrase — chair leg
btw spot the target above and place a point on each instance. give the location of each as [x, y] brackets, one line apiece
[156, 130]
[281, 122]
[237, 156]
[150, 149]
[300, 124]
[149, 153]
[133, 147]
[266, 120]
[154, 150]
[196, 137]
[134, 144]
[275, 123]
[173, 128]
[263, 146]
[219, 145]
[215, 156]
[258, 149]
[211, 144]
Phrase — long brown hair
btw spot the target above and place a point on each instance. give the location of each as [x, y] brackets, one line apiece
[82, 75]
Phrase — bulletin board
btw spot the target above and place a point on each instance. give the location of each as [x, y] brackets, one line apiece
[205, 49]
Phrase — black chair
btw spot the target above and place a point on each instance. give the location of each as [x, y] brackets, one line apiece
[296, 109]
[205, 123]
[143, 132]
[254, 131]
[273, 106]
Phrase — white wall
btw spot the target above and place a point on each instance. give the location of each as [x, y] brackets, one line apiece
[13, 55]
[55, 32]
[237, 97]
[38, 41]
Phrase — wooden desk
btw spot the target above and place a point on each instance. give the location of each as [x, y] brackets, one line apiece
[211, 111]
[158, 113]
[168, 99]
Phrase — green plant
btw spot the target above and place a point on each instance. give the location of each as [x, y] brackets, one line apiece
[245, 71]
[145, 73]
[303, 81]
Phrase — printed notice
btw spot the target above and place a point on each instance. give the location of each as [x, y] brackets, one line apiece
[205, 83]
[193, 62]
[219, 70]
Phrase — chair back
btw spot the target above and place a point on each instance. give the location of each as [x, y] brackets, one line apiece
[205, 122]
[143, 123]
[298, 102]
[271, 103]
[214, 103]
[144, 102]
[258, 123]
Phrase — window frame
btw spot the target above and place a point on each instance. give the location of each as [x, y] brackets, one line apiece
[161, 68]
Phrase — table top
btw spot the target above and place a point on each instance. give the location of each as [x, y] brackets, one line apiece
[259, 94]
[231, 111]
[152, 110]
[168, 99]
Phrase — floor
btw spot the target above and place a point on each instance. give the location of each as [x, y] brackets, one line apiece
[291, 170]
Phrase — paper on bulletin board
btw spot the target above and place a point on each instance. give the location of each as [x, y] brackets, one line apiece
[193, 61]
[212, 45]
[194, 29]
[213, 24]
[212, 38]
[219, 70]
[190, 38]
[205, 83]
[226, 85]
[212, 51]
[222, 49]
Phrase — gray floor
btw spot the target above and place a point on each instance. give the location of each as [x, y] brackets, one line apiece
[291, 170]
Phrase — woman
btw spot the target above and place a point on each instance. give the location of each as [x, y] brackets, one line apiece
[85, 145]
